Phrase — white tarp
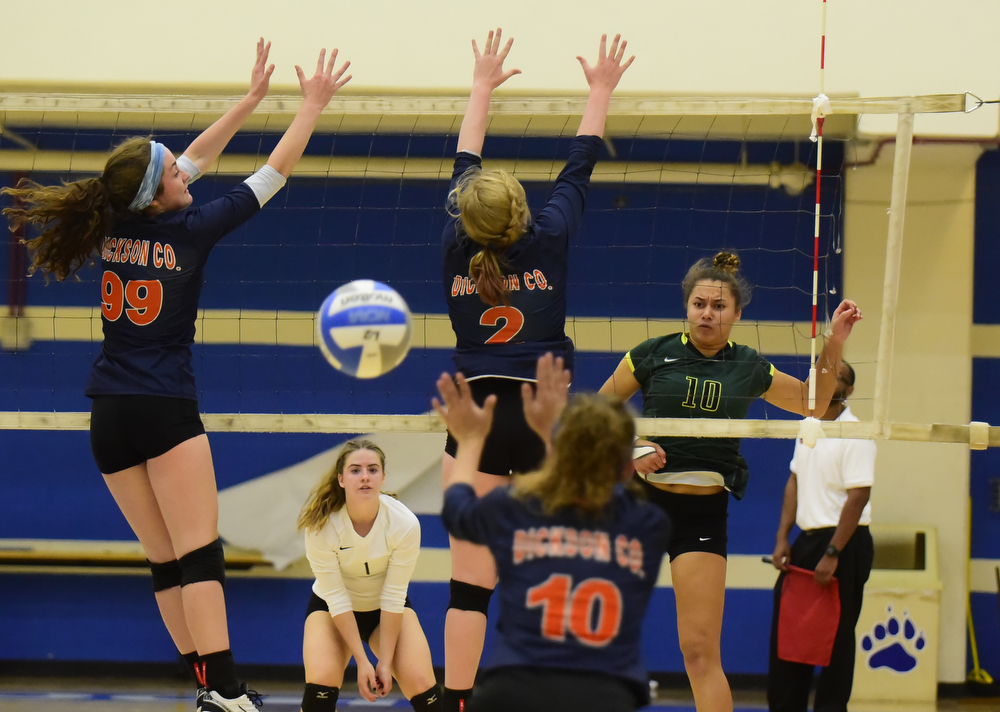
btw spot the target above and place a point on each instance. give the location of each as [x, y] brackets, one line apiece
[261, 513]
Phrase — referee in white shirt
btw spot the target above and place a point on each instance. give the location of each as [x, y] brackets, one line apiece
[827, 497]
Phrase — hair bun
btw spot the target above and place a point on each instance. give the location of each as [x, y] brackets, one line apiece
[727, 262]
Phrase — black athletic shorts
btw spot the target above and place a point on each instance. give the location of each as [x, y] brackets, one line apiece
[367, 620]
[512, 447]
[698, 520]
[125, 431]
[534, 689]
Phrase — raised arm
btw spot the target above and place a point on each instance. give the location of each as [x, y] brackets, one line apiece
[545, 401]
[603, 78]
[209, 145]
[467, 422]
[791, 394]
[487, 75]
[316, 94]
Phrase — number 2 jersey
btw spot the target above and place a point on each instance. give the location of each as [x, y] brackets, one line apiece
[573, 590]
[678, 381]
[506, 340]
[151, 281]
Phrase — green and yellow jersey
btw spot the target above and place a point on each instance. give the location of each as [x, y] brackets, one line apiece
[678, 381]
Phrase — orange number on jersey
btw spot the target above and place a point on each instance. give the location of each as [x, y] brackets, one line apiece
[143, 296]
[551, 596]
[513, 321]
[563, 606]
[112, 296]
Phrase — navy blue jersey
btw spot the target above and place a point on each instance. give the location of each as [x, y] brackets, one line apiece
[152, 277]
[573, 590]
[506, 340]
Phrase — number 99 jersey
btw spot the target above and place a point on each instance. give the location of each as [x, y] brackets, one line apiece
[506, 340]
[150, 284]
[573, 590]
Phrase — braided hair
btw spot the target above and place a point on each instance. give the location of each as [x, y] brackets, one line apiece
[494, 212]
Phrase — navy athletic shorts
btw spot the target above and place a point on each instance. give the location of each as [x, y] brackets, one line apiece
[512, 447]
[125, 431]
[539, 689]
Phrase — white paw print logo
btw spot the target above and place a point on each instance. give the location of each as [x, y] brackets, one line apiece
[892, 644]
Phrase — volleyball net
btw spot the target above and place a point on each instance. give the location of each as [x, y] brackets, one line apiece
[681, 179]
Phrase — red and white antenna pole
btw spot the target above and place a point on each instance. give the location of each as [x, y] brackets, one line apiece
[820, 104]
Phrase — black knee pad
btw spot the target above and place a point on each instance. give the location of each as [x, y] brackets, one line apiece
[165, 575]
[428, 701]
[320, 698]
[205, 564]
[469, 597]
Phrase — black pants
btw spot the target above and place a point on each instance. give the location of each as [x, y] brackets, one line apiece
[788, 683]
[522, 689]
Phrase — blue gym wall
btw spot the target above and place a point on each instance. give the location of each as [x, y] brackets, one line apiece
[984, 465]
[636, 244]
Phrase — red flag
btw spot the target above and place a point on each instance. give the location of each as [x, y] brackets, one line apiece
[807, 623]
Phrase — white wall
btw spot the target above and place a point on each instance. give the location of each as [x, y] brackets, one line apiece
[767, 47]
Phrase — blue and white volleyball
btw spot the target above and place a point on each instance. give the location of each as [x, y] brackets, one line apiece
[364, 328]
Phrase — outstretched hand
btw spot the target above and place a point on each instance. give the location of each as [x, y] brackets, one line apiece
[545, 400]
[844, 319]
[321, 87]
[489, 71]
[466, 421]
[609, 68]
[260, 77]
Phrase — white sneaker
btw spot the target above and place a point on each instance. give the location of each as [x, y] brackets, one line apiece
[249, 701]
[202, 691]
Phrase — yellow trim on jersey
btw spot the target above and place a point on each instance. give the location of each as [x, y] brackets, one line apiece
[628, 360]
[684, 339]
[773, 369]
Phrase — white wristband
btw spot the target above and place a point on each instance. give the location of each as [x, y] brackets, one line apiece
[638, 452]
[189, 167]
[265, 183]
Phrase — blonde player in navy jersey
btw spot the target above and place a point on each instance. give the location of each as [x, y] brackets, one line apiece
[362, 546]
[578, 553]
[702, 374]
[145, 430]
[505, 283]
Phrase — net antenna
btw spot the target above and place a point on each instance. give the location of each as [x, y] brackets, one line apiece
[821, 107]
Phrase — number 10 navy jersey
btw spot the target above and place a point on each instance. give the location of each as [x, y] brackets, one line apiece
[506, 340]
[573, 590]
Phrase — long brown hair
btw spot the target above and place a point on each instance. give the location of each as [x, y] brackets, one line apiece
[725, 268]
[590, 450]
[329, 496]
[74, 218]
[494, 212]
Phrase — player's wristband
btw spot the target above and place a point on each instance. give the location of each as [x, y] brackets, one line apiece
[642, 451]
[189, 167]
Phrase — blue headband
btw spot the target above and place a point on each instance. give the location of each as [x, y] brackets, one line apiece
[150, 181]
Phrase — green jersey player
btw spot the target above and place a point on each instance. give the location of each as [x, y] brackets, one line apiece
[702, 374]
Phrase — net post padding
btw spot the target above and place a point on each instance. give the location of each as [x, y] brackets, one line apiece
[893, 262]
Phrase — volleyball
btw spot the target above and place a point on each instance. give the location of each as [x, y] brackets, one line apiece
[364, 328]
